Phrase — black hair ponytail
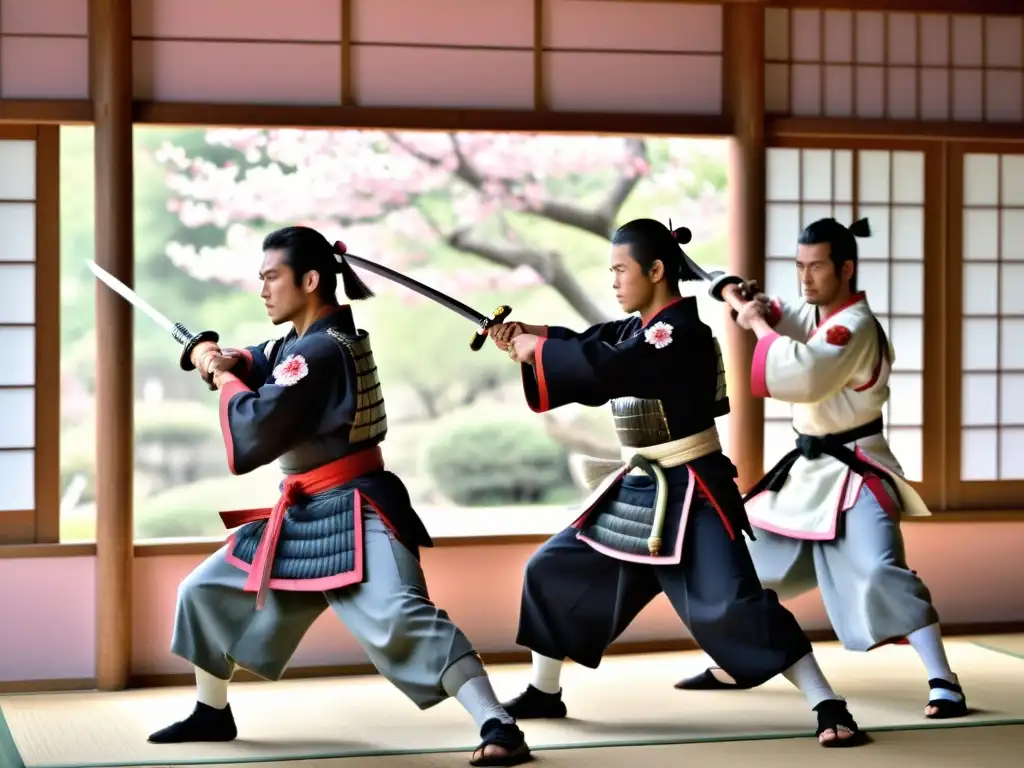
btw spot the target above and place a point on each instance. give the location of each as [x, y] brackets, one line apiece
[681, 234]
[860, 228]
[355, 288]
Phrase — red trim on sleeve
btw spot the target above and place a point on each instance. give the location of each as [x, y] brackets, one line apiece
[543, 402]
[758, 366]
[232, 386]
[247, 358]
[774, 313]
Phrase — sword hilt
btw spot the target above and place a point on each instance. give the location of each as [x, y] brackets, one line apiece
[183, 336]
[480, 337]
[719, 280]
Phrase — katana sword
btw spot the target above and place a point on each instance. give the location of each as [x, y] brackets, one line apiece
[719, 280]
[483, 322]
[178, 332]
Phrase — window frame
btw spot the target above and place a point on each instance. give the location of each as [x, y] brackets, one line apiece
[934, 414]
[966, 494]
[41, 525]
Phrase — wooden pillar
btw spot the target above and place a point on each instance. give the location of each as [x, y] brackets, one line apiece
[111, 87]
[744, 95]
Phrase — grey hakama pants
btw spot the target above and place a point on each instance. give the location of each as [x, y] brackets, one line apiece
[870, 594]
[410, 641]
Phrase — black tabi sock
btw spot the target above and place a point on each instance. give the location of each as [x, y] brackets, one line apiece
[204, 724]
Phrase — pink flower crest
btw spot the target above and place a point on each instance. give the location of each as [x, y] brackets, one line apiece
[292, 369]
[659, 334]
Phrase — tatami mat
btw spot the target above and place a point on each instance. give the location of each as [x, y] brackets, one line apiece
[1009, 644]
[997, 746]
[630, 701]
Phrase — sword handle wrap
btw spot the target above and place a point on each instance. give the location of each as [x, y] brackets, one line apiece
[184, 337]
[480, 337]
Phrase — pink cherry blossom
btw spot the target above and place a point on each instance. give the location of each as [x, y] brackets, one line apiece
[659, 335]
[290, 370]
[394, 196]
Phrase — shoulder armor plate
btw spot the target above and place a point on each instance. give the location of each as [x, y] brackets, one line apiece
[721, 392]
[371, 420]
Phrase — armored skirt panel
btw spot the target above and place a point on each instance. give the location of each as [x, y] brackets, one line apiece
[621, 516]
[317, 540]
[320, 541]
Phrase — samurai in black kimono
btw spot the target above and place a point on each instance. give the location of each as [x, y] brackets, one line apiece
[666, 518]
[343, 534]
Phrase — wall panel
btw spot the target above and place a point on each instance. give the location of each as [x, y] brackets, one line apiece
[632, 57]
[51, 606]
[392, 76]
[886, 187]
[460, 23]
[243, 20]
[238, 73]
[52, 17]
[44, 49]
[237, 51]
[634, 82]
[600, 25]
[901, 66]
[559, 55]
[44, 67]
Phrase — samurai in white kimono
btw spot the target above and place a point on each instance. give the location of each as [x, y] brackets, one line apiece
[828, 514]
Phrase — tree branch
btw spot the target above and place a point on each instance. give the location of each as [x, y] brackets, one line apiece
[548, 265]
[601, 220]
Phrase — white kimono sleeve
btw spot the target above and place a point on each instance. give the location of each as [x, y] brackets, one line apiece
[807, 372]
[795, 319]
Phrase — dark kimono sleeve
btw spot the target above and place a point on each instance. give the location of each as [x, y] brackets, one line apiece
[306, 393]
[591, 369]
[253, 368]
[607, 331]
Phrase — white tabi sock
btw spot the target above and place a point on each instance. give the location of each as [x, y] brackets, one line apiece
[927, 641]
[467, 681]
[210, 690]
[478, 697]
[546, 674]
[808, 677]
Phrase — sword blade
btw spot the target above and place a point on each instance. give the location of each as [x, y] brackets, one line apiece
[129, 295]
[433, 294]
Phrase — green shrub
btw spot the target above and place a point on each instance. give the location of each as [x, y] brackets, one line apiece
[488, 458]
[191, 510]
[185, 424]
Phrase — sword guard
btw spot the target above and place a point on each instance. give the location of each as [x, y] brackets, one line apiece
[498, 316]
[720, 281]
[184, 337]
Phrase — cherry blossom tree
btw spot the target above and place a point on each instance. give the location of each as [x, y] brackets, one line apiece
[396, 196]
